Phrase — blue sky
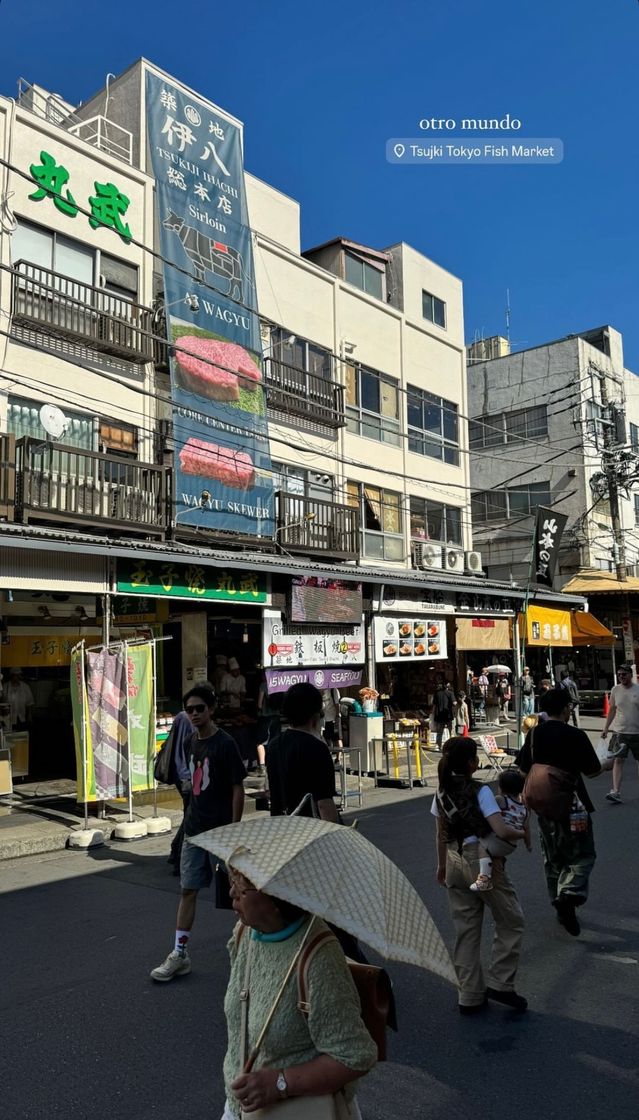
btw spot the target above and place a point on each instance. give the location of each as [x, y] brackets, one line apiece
[320, 92]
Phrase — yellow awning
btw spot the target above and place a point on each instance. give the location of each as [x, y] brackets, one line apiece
[588, 631]
[591, 581]
[547, 627]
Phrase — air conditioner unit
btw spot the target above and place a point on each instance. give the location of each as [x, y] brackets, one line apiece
[453, 560]
[473, 563]
[427, 556]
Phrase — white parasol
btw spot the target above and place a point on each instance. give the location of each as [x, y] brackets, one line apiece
[333, 871]
[498, 669]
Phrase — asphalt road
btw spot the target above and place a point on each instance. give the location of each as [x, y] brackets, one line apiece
[85, 1034]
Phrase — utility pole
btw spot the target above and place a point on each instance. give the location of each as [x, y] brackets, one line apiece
[609, 465]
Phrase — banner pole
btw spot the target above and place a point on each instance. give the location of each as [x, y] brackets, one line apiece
[128, 730]
[85, 759]
[154, 701]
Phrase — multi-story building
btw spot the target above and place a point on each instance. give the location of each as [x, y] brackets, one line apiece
[117, 513]
[541, 421]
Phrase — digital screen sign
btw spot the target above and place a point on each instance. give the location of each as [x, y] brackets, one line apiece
[326, 600]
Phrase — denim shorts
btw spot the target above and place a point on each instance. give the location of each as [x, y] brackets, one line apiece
[621, 744]
[196, 867]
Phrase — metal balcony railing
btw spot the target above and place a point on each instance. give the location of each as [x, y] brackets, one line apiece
[295, 392]
[7, 478]
[97, 131]
[311, 525]
[63, 307]
[56, 483]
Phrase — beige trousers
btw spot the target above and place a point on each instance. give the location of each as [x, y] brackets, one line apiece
[467, 912]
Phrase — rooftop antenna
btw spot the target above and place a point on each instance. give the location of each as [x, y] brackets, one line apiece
[508, 315]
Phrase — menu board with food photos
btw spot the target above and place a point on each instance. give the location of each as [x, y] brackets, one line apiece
[409, 639]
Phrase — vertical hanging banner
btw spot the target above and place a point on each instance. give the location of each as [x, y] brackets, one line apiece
[81, 728]
[549, 527]
[139, 670]
[223, 477]
[107, 700]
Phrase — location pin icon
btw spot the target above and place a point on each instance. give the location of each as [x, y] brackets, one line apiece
[399, 150]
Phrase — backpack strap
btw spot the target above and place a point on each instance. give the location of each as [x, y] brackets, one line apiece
[303, 966]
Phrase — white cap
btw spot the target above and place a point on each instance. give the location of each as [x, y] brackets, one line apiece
[233, 664]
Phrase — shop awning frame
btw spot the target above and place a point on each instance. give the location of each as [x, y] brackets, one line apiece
[589, 631]
[16, 536]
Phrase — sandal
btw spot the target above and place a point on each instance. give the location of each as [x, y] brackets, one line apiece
[482, 883]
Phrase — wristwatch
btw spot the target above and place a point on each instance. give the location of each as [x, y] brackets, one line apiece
[281, 1085]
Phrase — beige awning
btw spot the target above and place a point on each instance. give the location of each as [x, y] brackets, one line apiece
[591, 581]
[483, 633]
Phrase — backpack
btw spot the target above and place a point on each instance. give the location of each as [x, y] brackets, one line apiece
[548, 790]
[373, 986]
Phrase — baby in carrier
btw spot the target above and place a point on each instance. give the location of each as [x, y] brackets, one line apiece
[515, 814]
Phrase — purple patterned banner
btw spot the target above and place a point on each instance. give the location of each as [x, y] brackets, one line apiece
[107, 693]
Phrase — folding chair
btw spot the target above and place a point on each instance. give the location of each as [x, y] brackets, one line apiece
[492, 756]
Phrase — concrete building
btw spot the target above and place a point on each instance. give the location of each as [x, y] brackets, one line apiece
[363, 373]
[536, 438]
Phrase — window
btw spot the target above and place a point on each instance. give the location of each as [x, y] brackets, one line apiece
[634, 437]
[516, 501]
[363, 275]
[434, 309]
[304, 483]
[636, 509]
[72, 258]
[498, 428]
[121, 439]
[301, 354]
[382, 522]
[432, 521]
[372, 404]
[433, 427]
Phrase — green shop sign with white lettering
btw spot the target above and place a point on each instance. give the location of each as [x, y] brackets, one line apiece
[107, 207]
[190, 581]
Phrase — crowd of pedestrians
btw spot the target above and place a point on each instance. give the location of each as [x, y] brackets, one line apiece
[477, 830]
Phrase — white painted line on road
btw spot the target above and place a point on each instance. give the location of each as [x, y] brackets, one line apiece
[618, 960]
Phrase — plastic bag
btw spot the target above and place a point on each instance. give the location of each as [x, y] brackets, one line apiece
[602, 750]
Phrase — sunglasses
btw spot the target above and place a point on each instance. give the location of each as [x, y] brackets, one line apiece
[195, 709]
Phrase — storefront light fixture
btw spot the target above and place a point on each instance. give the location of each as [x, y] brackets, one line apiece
[245, 634]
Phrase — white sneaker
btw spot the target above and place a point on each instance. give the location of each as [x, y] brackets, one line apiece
[614, 797]
[176, 964]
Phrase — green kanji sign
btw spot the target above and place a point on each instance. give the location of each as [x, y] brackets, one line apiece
[190, 581]
[52, 178]
[108, 205]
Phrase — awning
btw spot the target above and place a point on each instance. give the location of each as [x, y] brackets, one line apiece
[591, 581]
[588, 631]
[546, 627]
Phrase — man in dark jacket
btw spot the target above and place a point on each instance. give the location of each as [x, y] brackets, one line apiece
[443, 706]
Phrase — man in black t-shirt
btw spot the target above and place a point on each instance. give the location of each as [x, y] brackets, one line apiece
[568, 847]
[298, 761]
[217, 798]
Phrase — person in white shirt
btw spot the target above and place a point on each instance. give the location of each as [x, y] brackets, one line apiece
[332, 730]
[233, 687]
[623, 720]
[19, 697]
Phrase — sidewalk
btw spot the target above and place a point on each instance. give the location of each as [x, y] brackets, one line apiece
[39, 816]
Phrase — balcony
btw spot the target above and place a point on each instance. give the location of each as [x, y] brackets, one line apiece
[57, 305]
[55, 483]
[307, 396]
[98, 131]
[309, 525]
[7, 478]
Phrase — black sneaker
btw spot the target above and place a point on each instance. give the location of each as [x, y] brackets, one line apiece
[509, 999]
[566, 916]
[472, 1008]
